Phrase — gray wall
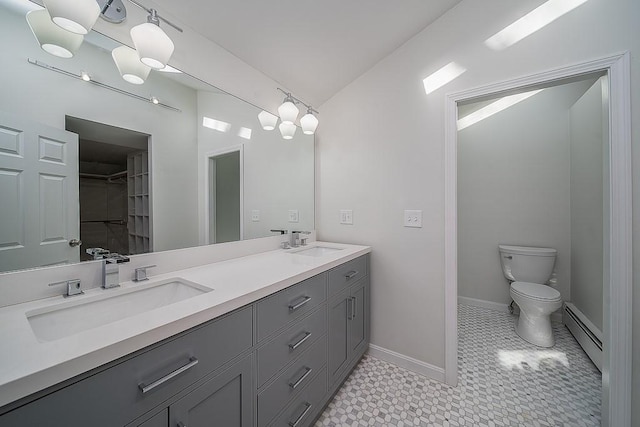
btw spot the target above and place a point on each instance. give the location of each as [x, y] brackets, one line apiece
[513, 188]
[381, 150]
[586, 117]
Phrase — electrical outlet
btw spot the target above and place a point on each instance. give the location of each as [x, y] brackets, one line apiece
[413, 218]
[255, 215]
[293, 215]
[346, 216]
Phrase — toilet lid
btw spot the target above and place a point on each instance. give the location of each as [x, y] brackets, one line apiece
[535, 291]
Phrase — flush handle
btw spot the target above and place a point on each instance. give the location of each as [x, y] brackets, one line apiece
[507, 257]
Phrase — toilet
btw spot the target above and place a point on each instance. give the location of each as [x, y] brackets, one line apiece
[529, 269]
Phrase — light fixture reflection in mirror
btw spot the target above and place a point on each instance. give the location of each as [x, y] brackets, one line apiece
[51, 38]
[267, 120]
[76, 16]
[129, 65]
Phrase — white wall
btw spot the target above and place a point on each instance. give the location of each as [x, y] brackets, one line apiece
[381, 150]
[586, 130]
[47, 96]
[513, 188]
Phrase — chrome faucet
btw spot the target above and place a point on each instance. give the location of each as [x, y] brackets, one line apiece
[73, 287]
[111, 270]
[140, 273]
[296, 240]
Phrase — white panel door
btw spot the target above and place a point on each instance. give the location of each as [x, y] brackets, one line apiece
[39, 202]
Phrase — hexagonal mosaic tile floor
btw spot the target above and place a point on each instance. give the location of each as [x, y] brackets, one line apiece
[503, 381]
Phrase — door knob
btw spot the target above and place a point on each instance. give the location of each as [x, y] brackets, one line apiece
[75, 242]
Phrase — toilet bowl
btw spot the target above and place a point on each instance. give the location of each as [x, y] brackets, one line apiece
[528, 269]
[536, 303]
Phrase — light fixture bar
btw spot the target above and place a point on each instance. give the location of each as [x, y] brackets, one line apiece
[154, 13]
[102, 85]
[296, 100]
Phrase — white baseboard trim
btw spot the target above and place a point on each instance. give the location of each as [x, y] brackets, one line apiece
[490, 305]
[414, 365]
[556, 316]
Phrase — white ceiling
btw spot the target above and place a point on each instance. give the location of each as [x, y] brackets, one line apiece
[314, 48]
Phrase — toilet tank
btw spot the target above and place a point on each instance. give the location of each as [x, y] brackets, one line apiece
[527, 264]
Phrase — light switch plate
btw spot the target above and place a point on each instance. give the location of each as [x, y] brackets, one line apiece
[293, 215]
[346, 216]
[255, 215]
[413, 218]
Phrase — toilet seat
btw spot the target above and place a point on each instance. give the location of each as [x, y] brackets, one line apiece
[535, 291]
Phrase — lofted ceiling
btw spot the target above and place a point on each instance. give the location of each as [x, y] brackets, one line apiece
[314, 48]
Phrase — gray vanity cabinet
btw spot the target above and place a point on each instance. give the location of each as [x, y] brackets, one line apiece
[275, 362]
[225, 400]
[348, 318]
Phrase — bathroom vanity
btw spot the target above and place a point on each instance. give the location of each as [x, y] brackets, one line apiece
[284, 331]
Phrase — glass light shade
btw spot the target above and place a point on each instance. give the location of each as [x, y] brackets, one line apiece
[153, 45]
[129, 65]
[77, 16]
[309, 123]
[267, 120]
[51, 38]
[288, 112]
[287, 130]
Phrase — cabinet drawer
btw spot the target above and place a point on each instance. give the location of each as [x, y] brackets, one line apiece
[275, 396]
[274, 312]
[287, 346]
[114, 396]
[347, 274]
[305, 406]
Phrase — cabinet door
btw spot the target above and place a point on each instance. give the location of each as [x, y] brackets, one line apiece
[358, 317]
[225, 400]
[338, 334]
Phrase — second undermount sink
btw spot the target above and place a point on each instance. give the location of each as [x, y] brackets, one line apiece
[317, 251]
[88, 312]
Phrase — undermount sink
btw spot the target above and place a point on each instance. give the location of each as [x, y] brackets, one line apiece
[317, 251]
[88, 312]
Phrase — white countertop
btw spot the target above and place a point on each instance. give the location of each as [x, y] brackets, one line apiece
[28, 365]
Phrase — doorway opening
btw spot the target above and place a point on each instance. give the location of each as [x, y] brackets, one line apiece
[114, 181]
[224, 193]
[617, 263]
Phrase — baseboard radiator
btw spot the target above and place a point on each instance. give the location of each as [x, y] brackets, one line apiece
[586, 333]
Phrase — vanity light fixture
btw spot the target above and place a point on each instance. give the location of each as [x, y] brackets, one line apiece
[288, 115]
[288, 110]
[51, 38]
[154, 46]
[77, 16]
[288, 130]
[129, 65]
[309, 122]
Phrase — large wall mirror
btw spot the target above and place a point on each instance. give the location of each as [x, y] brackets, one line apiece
[108, 165]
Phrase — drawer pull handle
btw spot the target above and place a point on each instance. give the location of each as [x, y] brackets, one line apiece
[302, 340]
[351, 274]
[300, 304]
[147, 388]
[302, 415]
[299, 381]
